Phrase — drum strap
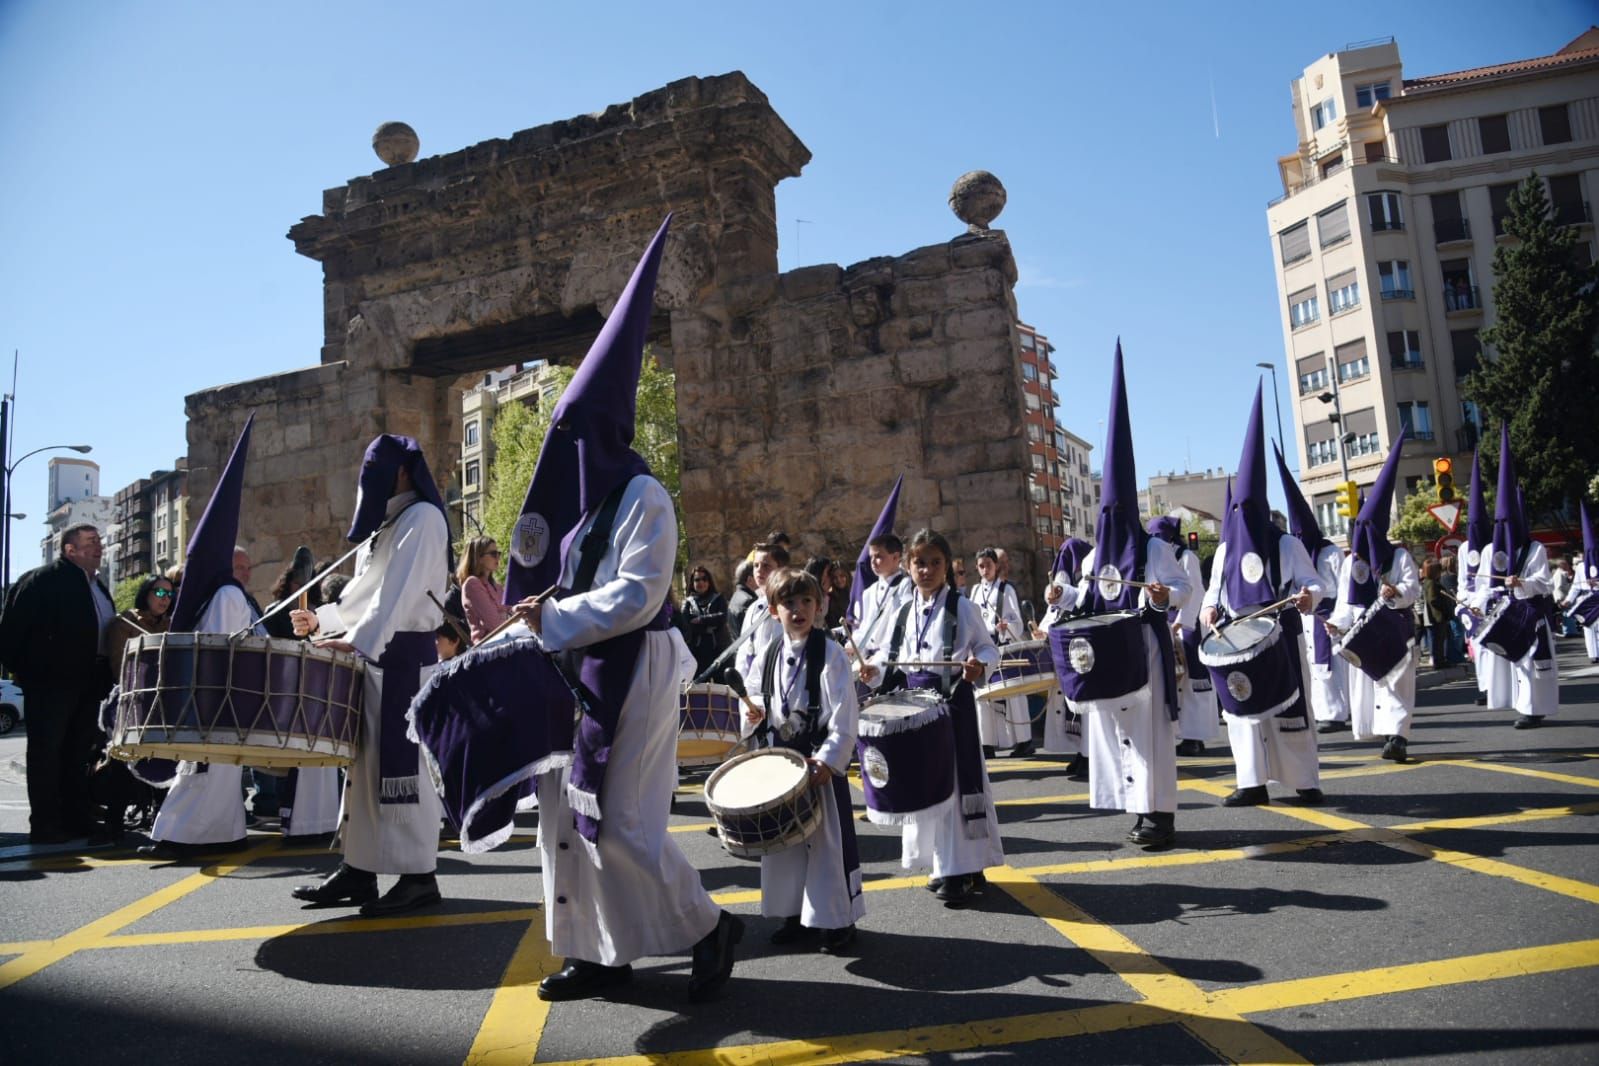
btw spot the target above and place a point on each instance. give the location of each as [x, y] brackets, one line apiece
[897, 678]
[810, 735]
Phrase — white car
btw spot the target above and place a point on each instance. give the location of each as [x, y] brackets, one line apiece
[10, 706]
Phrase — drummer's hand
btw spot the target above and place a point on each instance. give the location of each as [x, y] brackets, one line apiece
[868, 673]
[531, 611]
[1332, 630]
[337, 645]
[1208, 616]
[753, 714]
[1302, 601]
[1388, 591]
[1159, 594]
[820, 772]
[973, 670]
[305, 622]
[1512, 582]
[1039, 634]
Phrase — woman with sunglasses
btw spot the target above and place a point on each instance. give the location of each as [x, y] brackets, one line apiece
[481, 596]
[704, 618]
[152, 605]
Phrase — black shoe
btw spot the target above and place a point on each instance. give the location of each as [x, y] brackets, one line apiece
[790, 931]
[1190, 747]
[1157, 832]
[836, 940]
[50, 836]
[958, 891]
[1023, 750]
[344, 885]
[1529, 721]
[159, 849]
[1332, 727]
[713, 958]
[1077, 769]
[1311, 797]
[1482, 699]
[1247, 797]
[1395, 749]
[934, 884]
[1138, 825]
[409, 893]
[988, 751]
[579, 979]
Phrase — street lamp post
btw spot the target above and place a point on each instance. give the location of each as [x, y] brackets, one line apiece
[5, 501]
[1276, 400]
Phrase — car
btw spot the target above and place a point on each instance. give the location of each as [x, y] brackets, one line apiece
[10, 706]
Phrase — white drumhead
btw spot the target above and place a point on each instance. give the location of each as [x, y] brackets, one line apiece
[1236, 642]
[900, 705]
[758, 780]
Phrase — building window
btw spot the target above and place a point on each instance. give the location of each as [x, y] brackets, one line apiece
[1499, 201]
[471, 433]
[474, 473]
[1028, 344]
[1448, 222]
[1321, 452]
[1466, 350]
[1363, 444]
[1303, 308]
[1459, 293]
[1313, 375]
[1555, 124]
[1029, 372]
[1323, 113]
[1366, 95]
[1343, 293]
[1060, 441]
[1395, 279]
[1416, 417]
[1038, 493]
[1384, 210]
[1565, 200]
[1332, 225]
[1353, 362]
[1435, 144]
[1038, 461]
[1332, 165]
[1042, 525]
[1032, 400]
[1295, 243]
[1494, 132]
[1328, 518]
[1404, 350]
[1035, 433]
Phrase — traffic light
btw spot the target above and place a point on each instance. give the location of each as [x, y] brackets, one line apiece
[1193, 541]
[1443, 472]
[1348, 499]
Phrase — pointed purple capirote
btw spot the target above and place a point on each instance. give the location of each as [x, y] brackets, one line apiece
[588, 449]
[385, 457]
[1510, 521]
[1166, 527]
[1120, 538]
[864, 577]
[1368, 537]
[1069, 559]
[1250, 534]
[1479, 523]
[208, 564]
[1302, 521]
[1590, 545]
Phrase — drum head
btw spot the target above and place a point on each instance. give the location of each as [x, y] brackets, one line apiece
[756, 780]
[906, 704]
[1240, 639]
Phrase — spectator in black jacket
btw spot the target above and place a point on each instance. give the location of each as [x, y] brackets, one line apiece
[53, 639]
[743, 595]
[704, 618]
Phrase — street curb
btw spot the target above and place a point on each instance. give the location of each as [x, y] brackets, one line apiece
[1447, 675]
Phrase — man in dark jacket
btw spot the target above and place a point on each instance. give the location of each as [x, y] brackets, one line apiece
[52, 637]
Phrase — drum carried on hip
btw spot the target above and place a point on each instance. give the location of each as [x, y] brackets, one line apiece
[906, 747]
[249, 701]
[1379, 642]
[1027, 668]
[1100, 656]
[708, 724]
[1254, 668]
[1510, 627]
[1586, 610]
[763, 802]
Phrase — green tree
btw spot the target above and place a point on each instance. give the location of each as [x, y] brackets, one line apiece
[519, 437]
[125, 590]
[1544, 372]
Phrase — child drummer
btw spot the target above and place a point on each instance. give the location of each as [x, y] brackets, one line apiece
[806, 702]
[939, 642]
[1003, 723]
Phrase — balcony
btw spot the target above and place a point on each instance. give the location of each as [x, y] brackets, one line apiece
[1300, 182]
[1399, 294]
[1383, 225]
[1460, 297]
[1574, 213]
[1408, 361]
[1451, 230]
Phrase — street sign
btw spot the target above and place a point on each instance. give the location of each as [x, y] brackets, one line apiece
[1447, 514]
[1447, 544]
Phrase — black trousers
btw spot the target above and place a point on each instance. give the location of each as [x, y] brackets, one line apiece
[63, 738]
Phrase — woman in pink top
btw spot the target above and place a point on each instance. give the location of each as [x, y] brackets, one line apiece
[480, 595]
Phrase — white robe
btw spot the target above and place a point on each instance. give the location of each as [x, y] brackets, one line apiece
[1197, 709]
[940, 842]
[1002, 723]
[1329, 685]
[1537, 685]
[316, 802]
[208, 807]
[880, 605]
[633, 893]
[1381, 710]
[1496, 680]
[389, 595]
[1266, 747]
[1062, 728]
[1131, 742]
[1581, 585]
[809, 879]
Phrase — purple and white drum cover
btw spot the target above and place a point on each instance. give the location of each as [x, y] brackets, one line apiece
[1470, 621]
[1252, 666]
[1379, 642]
[1033, 673]
[247, 701]
[708, 728]
[1586, 610]
[1510, 627]
[1099, 657]
[763, 802]
[906, 747]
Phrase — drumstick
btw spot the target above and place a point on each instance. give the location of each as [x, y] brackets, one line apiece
[466, 638]
[953, 662]
[1270, 607]
[1457, 601]
[515, 617]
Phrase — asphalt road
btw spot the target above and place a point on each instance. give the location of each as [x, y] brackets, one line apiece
[1444, 911]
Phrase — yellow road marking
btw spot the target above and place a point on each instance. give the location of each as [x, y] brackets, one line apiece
[1536, 814]
[54, 951]
[514, 1023]
[1563, 886]
[340, 925]
[1527, 771]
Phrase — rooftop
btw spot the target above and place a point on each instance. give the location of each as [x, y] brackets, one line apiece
[1584, 49]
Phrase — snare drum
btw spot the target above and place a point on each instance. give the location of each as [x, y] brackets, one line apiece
[1101, 656]
[709, 716]
[763, 802]
[1510, 627]
[1033, 672]
[906, 747]
[1586, 610]
[1378, 644]
[1253, 667]
[251, 701]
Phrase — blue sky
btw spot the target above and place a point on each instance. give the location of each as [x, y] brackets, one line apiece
[155, 154]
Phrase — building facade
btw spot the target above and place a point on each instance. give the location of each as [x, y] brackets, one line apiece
[98, 511]
[150, 527]
[1202, 494]
[534, 384]
[1079, 489]
[1383, 241]
[1048, 480]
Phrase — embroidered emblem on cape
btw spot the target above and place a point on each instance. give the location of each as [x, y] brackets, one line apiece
[1501, 562]
[1474, 558]
[874, 766]
[1252, 567]
[1239, 685]
[530, 539]
[1081, 653]
[1110, 581]
[1360, 570]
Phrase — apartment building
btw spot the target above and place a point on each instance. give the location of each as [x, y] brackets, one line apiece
[150, 526]
[533, 384]
[1201, 493]
[1383, 239]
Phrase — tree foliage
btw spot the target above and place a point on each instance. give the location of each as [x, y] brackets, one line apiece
[1544, 372]
[125, 590]
[519, 433]
[1416, 529]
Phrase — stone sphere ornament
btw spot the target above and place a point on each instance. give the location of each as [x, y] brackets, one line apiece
[977, 198]
[395, 143]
